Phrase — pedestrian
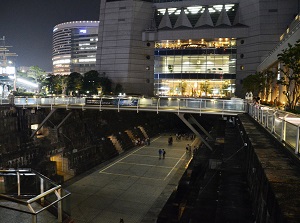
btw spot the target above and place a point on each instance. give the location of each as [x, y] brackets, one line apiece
[164, 153]
[275, 102]
[160, 153]
[187, 147]
[121, 220]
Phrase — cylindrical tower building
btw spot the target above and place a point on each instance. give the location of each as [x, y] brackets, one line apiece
[74, 47]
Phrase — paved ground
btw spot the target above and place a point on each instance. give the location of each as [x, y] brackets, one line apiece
[133, 187]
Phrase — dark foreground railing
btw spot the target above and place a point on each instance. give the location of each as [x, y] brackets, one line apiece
[30, 193]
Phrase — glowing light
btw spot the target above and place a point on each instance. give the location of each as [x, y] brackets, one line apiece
[21, 80]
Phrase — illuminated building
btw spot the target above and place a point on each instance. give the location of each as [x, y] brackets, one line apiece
[7, 70]
[188, 48]
[290, 36]
[74, 47]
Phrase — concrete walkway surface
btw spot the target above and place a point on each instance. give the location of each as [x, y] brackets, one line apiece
[134, 187]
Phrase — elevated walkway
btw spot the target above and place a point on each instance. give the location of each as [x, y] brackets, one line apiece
[178, 105]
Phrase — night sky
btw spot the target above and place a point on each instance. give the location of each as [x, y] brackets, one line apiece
[27, 26]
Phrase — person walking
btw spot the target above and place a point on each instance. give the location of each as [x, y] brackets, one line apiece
[187, 147]
[160, 153]
[164, 153]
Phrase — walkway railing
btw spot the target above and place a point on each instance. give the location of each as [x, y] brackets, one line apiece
[28, 192]
[179, 105]
[283, 125]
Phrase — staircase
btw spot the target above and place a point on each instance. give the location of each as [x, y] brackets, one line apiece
[144, 132]
[116, 144]
[130, 134]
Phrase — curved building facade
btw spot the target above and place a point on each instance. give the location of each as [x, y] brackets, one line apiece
[74, 47]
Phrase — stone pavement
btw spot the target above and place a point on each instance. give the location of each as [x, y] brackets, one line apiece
[135, 186]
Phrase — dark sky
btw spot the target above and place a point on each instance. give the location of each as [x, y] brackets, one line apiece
[27, 26]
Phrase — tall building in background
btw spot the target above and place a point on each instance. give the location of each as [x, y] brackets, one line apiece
[188, 48]
[74, 47]
[7, 69]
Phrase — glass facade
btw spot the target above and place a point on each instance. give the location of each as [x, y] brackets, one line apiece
[195, 67]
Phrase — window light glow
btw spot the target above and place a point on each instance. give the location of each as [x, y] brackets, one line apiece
[87, 60]
[194, 9]
[64, 61]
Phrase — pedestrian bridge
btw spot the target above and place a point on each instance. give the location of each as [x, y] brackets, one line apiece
[283, 125]
[178, 105]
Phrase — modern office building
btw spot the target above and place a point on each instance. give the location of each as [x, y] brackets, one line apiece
[290, 36]
[188, 48]
[74, 47]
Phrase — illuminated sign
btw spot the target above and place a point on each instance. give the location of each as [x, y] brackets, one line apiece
[82, 31]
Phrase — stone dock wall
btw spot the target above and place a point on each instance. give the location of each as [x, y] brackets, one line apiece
[273, 175]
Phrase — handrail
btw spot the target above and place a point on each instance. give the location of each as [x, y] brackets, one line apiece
[281, 124]
[172, 104]
[39, 195]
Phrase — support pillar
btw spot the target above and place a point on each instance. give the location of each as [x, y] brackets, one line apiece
[181, 116]
[193, 120]
[43, 122]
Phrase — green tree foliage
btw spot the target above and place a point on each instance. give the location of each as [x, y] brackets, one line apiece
[37, 74]
[75, 83]
[56, 84]
[253, 83]
[268, 79]
[105, 84]
[118, 89]
[260, 83]
[61, 83]
[92, 81]
[89, 83]
[205, 88]
[49, 84]
[290, 58]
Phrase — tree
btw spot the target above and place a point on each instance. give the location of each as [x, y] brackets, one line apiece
[61, 83]
[49, 83]
[105, 84]
[204, 88]
[92, 82]
[268, 79]
[37, 74]
[253, 83]
[290, 58]
[118, 89]
[75, 83]
[56, 84]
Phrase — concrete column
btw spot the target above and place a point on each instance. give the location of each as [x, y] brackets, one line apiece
[181, 116]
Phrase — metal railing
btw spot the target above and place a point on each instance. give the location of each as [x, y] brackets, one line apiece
[4, 101]
[283, 125]
[171, 104]
[28, 192]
